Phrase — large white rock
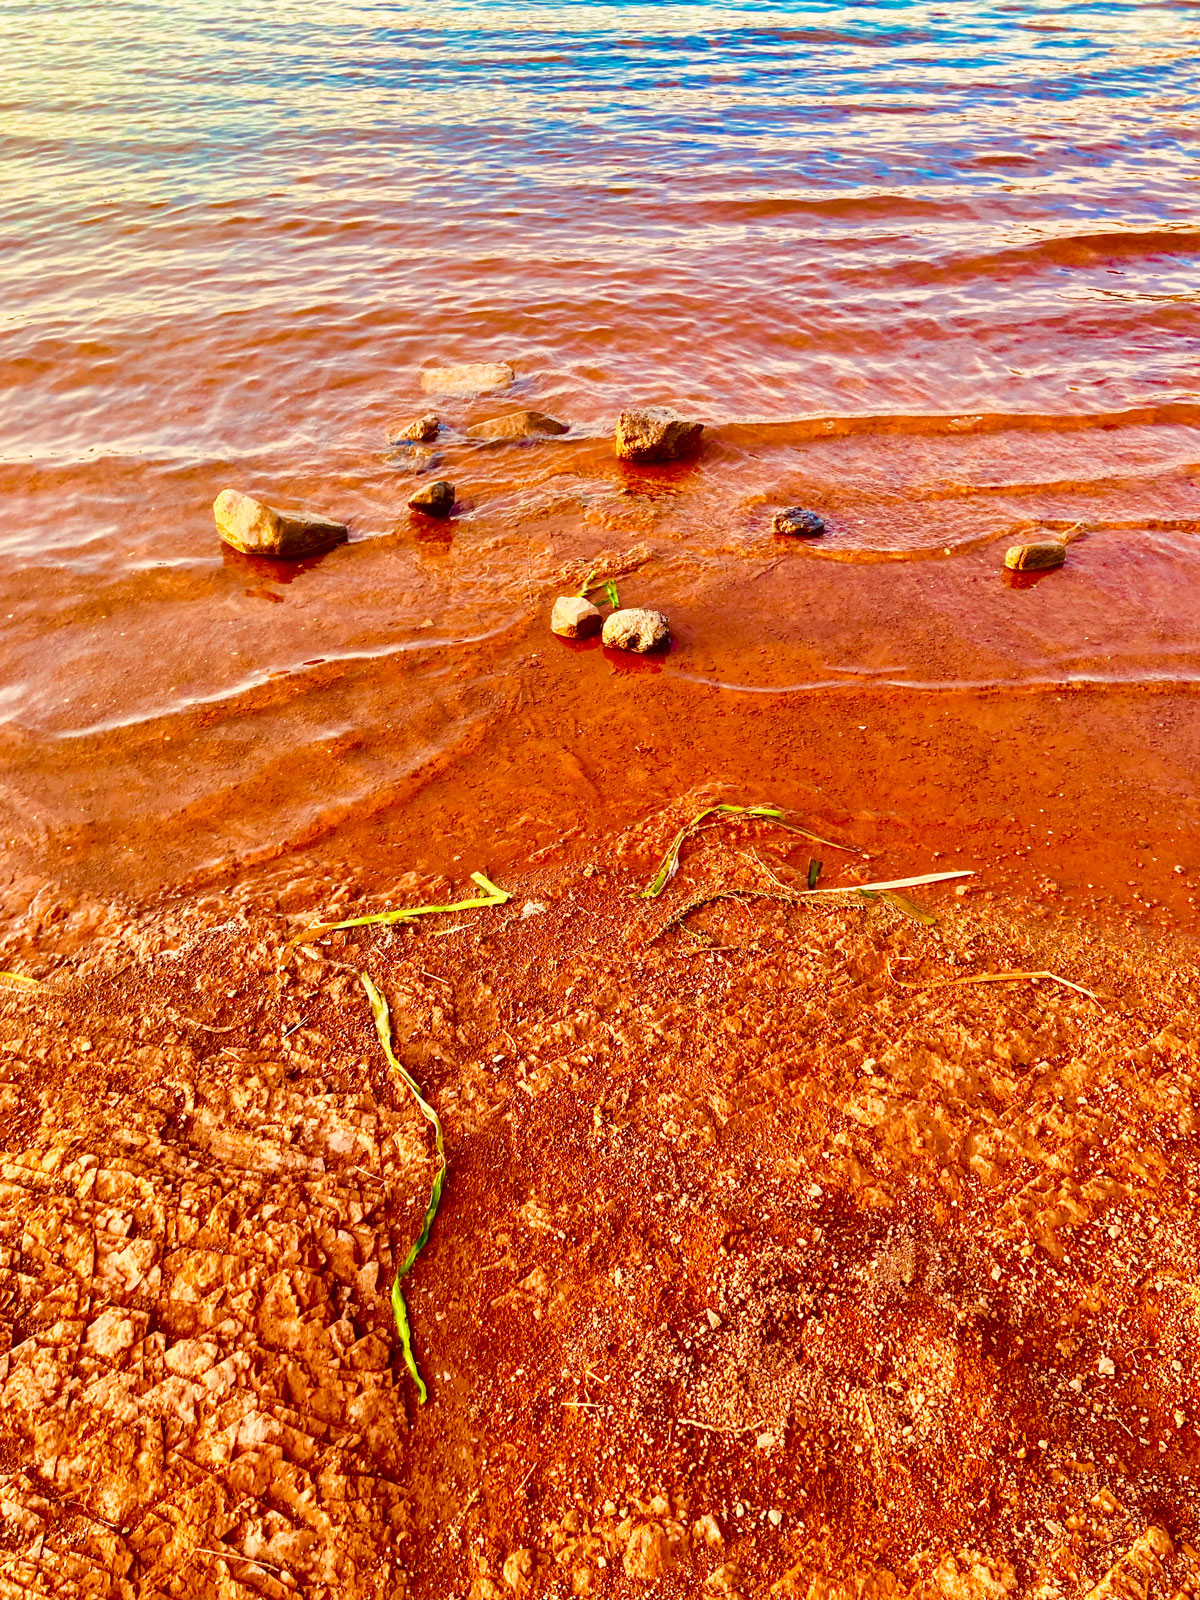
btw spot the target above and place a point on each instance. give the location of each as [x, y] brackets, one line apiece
[262, 530]
[634, 629]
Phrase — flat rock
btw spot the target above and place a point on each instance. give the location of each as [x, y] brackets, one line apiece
[435, 499]
[258, 529]
[520, 425]
[656, 434]
[574, 617]
[800, 523]
[478, 377]
[415, 430]
[1039, 555]
[634, 629]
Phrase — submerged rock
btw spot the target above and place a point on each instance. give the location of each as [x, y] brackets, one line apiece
[520, 425]
[799, 522]
[479, 377]
[574, 617]
[656, 434]
[261, 530]
[634, 629]
[415, 430]
[1040, 555]
[435, 499]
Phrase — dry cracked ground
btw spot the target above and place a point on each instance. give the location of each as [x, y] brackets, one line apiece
[770, 1261]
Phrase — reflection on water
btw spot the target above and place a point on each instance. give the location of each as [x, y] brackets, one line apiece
[930, 269]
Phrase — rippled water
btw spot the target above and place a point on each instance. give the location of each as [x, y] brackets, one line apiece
[931, 269]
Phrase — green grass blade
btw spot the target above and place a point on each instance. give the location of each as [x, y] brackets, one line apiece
[493, 897]
[814, 872]
[21, 979]
[383, 1027]
[586, 584]
[669, 864]
[614, 599]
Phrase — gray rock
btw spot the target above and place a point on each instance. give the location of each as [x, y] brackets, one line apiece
[634, 629]
[520, 425]
[574, 617]
[479, 377]
[435, 499]
[1039, 555]
[415, 430]
[656, 434]
[261, 530]
[799, 522]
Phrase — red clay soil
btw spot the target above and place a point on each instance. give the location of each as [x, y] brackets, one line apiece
[769, 1261]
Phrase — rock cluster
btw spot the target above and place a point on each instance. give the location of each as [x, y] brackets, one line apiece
[262, 530]
[435, 499]
[656, 434]
[635, 629]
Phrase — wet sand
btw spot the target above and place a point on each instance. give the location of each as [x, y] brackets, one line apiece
[770, 1260]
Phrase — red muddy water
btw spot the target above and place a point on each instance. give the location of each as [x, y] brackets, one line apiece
[929, 270]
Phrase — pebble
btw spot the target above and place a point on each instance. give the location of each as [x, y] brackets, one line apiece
[415, 430]
[261, 530]
[477, 377]
[1040, 556]
[435, 499]
[656, 434]
[774, 1517]
[799, 522]
[574, 617]
[1105, 1367]
[635, 629]
[519, 425]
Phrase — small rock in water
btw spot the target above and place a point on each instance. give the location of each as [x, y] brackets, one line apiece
[435, 499]
[479, 377]
[656, 434]
[634, 629]
[520, 425]
[799, 522]
[574, 617]
[261, 530]
[1039, 556]
[415, 430]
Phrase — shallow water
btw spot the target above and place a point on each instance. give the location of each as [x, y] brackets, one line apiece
[929, 269]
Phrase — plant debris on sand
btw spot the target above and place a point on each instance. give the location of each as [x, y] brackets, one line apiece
[756, 1273]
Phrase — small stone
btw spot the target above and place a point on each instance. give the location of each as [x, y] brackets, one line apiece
[574, 617]
[1106, 1367]
[261, 530]
[435, 499]
[650, 1553]
[520, 425]
[774, 1517]
[634, 629]
[415, 430]
[714, 1320]
[656, 434]
[1040, 556]
[518, 1571]
[798, 522]
[477, 377]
